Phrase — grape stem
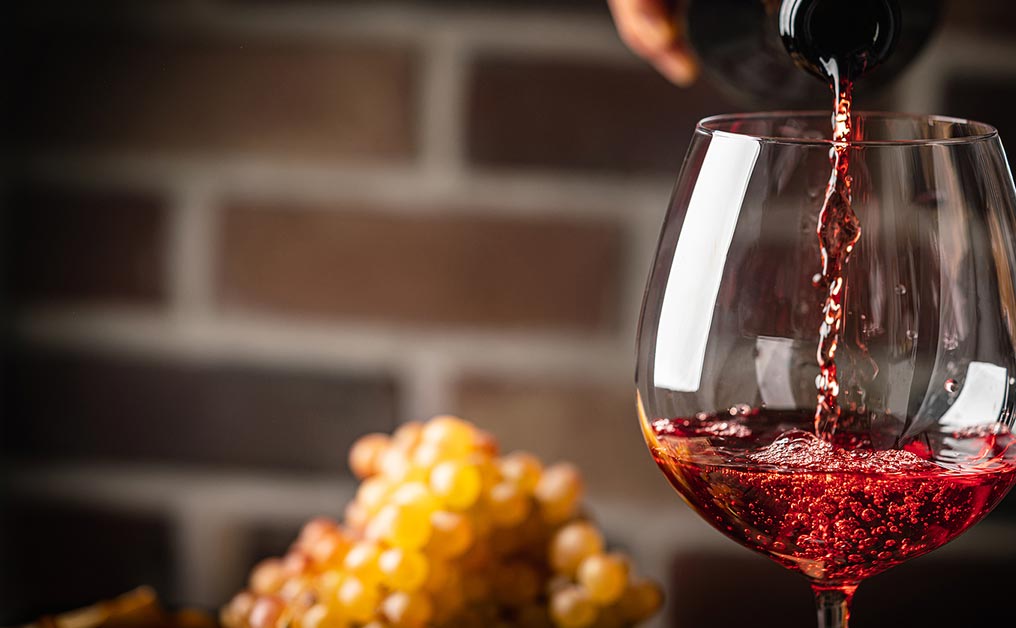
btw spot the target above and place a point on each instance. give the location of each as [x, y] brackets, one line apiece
[833, 605]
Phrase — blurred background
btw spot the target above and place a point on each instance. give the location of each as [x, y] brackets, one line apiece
[239, 233]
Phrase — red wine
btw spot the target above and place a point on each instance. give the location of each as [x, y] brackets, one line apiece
[838, 231]
[839, 511]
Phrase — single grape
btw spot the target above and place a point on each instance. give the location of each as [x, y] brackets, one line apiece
[403, 570]
[523, 469]
[572, 608]
[509, 506]
[558, 491]
[268, 576]
[295, 563]
[314, 530]
[407, 610]
[604, 577]
[416, 494]
[572, 544]
[374, 493]
[365, 454]
[321, 616]
[451, 434]
[358, 599]
[402, 526]
[407, 436]
[640, 600]
[266, 612]
[361, 561]
[451, 534]
[236, 613]
[328, 549]
[457, 484]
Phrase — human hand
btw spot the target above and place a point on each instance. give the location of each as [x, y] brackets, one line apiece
[656, 33]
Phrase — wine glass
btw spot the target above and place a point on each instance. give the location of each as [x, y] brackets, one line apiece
[728, 337]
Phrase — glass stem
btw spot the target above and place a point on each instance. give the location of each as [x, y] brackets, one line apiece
[833, 605]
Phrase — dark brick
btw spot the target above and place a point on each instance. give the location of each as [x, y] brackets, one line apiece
[57, 557]
[132, 409]
[421, 269]
[593, 425]
[290, 100]
[576, 114]
[66, 245]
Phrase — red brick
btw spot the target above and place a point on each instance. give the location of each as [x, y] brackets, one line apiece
[291, 100]
[93, 406]
[420, 269]
[576, 114]
[73, 245]
[593, 425]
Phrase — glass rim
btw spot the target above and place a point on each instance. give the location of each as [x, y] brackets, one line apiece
[980, 131]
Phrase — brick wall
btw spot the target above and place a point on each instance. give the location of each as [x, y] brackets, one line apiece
[242, 233]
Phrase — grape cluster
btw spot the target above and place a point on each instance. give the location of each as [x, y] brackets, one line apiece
[443, 532]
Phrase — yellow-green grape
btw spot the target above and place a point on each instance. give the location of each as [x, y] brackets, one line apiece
[403, 570]
[490, 473]
[407, 436]
[313, 530]
[457, 484]
[266, 612]
[395, 465]
[508, 504]
[604, 577]
[365, 454]
[515, 584]
[374, 493]
[328, 549]
[427, 455]
[328, 583]
[417, 495]
[572, 544]
[558, 491]
[321, 616]
[524, 469]
[451, 534]
[402, 526]
[407, 610]
[451, 434]
[361, 561]
[485, 443]
[572, 608]
[358, 600]
[235, 614]
[268, 576]
[640, 600]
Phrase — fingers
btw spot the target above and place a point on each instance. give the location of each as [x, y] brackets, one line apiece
[651, 31]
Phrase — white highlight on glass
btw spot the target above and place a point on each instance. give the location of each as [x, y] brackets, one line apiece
[699, 257]
[981, 398]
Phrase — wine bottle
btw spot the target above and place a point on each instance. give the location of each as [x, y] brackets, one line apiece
[743, 44]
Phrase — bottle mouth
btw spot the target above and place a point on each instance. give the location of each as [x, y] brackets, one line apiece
[871, 128]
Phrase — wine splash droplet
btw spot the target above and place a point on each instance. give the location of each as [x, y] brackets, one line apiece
[951, 386]
[901, 289]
